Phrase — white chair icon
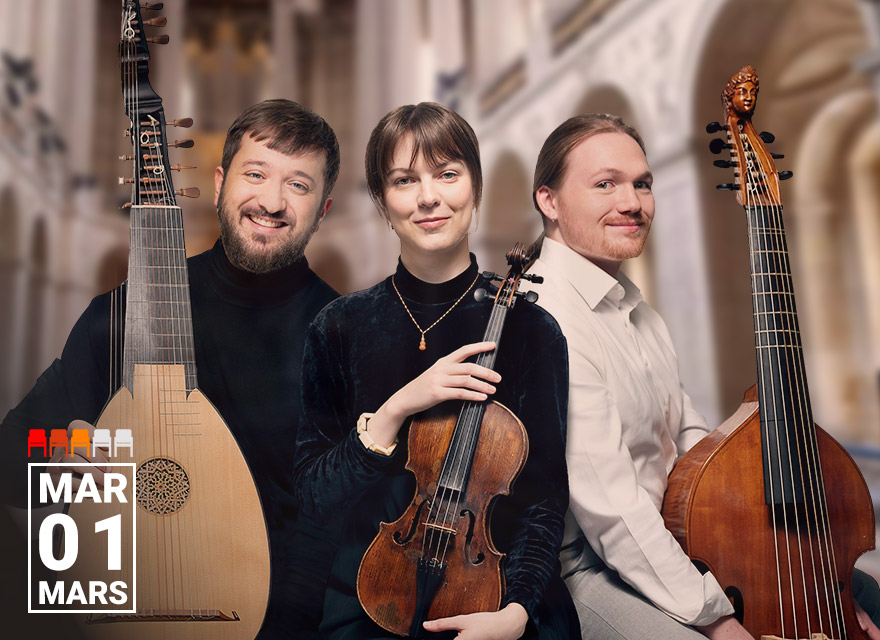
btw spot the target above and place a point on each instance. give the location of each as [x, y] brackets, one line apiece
[123, 439]
[101, 438]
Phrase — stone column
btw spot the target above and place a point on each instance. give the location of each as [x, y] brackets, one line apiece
[680, 278]
[285, 71]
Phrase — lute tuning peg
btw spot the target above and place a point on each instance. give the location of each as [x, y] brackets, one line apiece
[163, 39]
[182, 122]
[181, 144]
[153, 6]
[190, 192]
[179, 167]
[161, 21]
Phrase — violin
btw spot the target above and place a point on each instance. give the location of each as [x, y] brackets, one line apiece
[437, 559]
[769, 502]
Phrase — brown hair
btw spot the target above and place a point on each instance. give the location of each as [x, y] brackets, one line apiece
[439, 133]
[553, 158]
[290, 129]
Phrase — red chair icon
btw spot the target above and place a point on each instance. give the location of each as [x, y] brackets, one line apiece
[80, 438]
[58, 438]
[36, 438]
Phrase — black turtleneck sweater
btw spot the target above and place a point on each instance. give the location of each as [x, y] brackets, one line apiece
[249, 331]
[360, 350]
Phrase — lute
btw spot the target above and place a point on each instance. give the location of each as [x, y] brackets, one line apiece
[201, 568]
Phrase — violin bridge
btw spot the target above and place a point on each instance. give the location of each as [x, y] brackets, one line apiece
[441, 528]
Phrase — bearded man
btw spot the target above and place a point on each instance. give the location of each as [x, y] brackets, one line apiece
[253, 296]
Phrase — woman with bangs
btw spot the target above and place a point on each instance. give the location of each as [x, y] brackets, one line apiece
[375, 358]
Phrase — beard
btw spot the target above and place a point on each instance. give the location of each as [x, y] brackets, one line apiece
[274, 256]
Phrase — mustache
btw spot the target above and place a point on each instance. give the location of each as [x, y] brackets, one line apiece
[633, 219]
[261, 213]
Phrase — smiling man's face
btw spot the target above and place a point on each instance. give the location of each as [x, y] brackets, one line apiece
[269, 205]
[604, 207]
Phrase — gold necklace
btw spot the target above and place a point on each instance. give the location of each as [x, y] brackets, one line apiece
[422, 344]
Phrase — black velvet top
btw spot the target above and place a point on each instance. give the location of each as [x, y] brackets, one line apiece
[360, 350]
[249, 331]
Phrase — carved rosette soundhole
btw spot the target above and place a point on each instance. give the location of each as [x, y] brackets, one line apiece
[162, 486]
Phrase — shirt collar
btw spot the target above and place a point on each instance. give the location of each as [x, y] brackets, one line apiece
[590, 281]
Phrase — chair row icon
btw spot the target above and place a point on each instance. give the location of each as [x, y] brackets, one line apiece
[79, 439]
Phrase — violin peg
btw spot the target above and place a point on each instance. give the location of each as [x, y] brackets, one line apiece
[163, 39]
[715, 127]
[190, 192]
[153, 6]
[531, 296]
[182, 122]
[161, 21]
[182, 144]
[180, 167]
[479, 294]
[785, 175]
[767, 137]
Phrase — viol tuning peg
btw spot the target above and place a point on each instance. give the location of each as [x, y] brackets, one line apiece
[767, 137]
[717, 145]
[785, 175]
[715, 127]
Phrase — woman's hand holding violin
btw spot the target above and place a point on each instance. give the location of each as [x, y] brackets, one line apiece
[507, 624]
[450, 378]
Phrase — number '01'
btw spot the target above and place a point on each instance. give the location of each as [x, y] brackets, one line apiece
[112, 525]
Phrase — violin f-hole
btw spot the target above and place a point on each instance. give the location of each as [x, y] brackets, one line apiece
[480, 556]
[403, 540]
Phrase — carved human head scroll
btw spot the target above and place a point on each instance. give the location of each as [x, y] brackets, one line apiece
[741, 92]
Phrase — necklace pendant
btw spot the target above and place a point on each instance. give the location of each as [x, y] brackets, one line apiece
[422, 345]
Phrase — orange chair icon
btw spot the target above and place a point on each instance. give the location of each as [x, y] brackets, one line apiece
[58, 438]
[36, 438]
[80, 438]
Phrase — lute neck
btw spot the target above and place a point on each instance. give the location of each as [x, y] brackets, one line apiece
[158, 317]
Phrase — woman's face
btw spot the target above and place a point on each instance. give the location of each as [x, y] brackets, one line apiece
[429, 206]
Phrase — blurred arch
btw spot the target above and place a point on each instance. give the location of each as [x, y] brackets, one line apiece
[508, 215]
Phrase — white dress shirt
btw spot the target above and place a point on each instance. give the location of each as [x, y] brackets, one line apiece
[628, 420]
